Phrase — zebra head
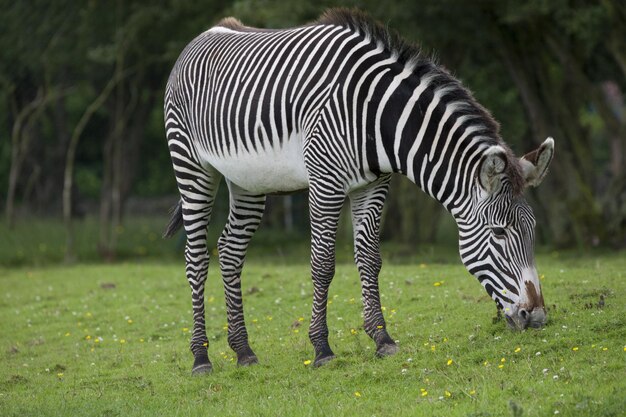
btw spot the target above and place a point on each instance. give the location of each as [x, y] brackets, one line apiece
[496, 236]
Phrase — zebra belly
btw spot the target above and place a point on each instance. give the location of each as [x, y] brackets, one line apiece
[266, 171]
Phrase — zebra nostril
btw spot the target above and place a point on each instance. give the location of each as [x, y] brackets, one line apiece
[524, 317]
[524, 314]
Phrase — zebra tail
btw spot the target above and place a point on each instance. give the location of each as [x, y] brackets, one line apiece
[176, 220]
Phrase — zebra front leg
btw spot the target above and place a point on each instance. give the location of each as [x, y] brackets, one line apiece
[367, 205]
[246, 211]
[324, 208]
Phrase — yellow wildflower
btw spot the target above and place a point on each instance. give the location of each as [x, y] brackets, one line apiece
[129, 321]
[300, 318]
[307, 362]
[472, 392]
[437, 284]
[379, 327]
[185, 329]
[353, 331]
[424, 392]
[501, 366]
[517, 349]
[357, 394]
[449, 362]
[122, 341]
[60, 374]
[503, 360]
[447, 393]
[575, 348]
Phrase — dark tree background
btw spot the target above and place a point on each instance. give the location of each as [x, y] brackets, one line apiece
[81, 87]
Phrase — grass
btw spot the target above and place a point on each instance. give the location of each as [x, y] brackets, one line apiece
[112, 340]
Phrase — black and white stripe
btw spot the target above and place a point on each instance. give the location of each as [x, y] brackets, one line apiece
[337, 106]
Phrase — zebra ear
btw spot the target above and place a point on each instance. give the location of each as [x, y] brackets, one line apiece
[492, 165]
[535, 164]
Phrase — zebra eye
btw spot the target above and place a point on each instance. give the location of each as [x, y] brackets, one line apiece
[498, 232]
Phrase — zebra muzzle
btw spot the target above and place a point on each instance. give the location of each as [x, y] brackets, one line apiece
[523, 318]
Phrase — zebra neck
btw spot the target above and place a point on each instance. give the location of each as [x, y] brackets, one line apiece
[435, 136]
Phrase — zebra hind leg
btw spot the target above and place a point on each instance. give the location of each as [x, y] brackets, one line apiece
[198, 186]
[196, 217]
[367, 205]
[246, 211]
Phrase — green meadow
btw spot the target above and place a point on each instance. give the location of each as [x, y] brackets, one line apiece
[112, 340]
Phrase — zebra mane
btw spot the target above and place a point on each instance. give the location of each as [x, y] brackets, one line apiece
[231, 23]
[406, 52]
[411, 56]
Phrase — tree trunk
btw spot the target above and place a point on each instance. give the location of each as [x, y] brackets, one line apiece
[20, 140]
[288, 213]
[105, 198]
[68, 176]
[120, 159]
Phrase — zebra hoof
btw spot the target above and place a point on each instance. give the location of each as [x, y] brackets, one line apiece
[203, 369]
[246, 357]
[387, 349]
[247, 360]
[201, 364]
[323, 360]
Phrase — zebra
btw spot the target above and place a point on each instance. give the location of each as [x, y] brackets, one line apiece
[337, 107]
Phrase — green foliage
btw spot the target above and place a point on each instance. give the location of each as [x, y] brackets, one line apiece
[41, 242]
[113, 340]
[539, 66]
